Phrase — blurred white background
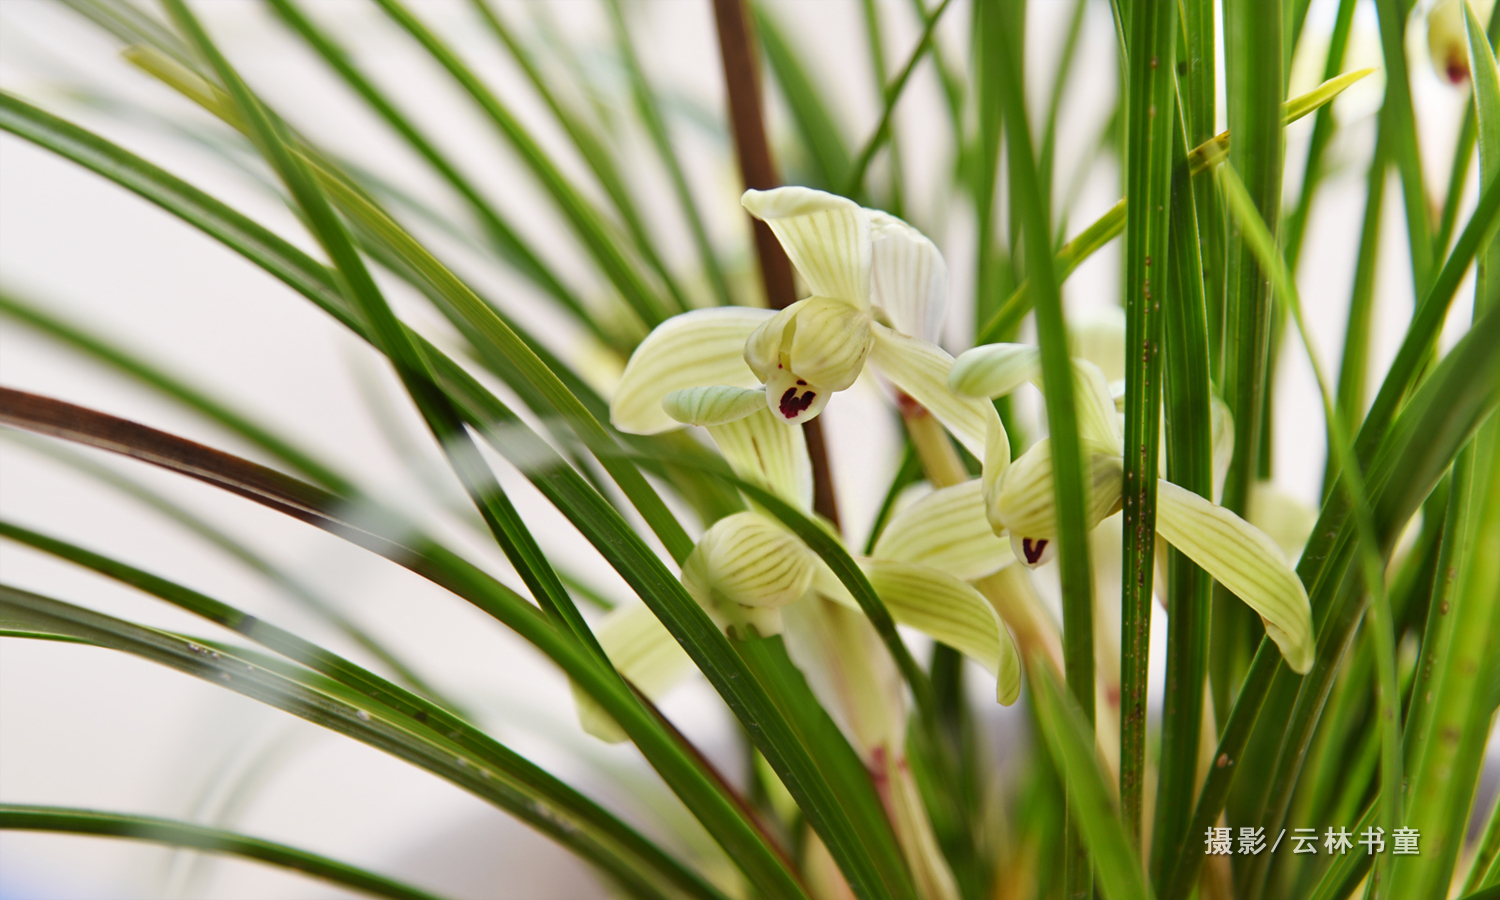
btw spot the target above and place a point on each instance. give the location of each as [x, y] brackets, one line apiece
[85, 727]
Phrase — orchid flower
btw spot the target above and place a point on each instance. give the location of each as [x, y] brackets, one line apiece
[754, 576]
[1019, 499]
[878, 287]
[747, 568]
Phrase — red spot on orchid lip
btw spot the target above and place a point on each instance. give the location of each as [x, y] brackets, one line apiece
[1033, 549]
[1458, 73]
[792, 405]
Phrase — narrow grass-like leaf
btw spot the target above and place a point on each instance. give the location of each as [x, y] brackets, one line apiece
[1397, 115]
[584, 219]
[1112, 223]
[1067, 462]
[1354, 363]
[1346, 870]
[1413, 454]
[315, 699]
[827, 151]
[726, 822]
[432, 720]
[1448, 754]
[1071, 740]
[1149, 95]
[1189, 590]
[1254, 90]
[61, 820]
[594, 150]
[682, 772]
[1323, 129]
[134, 366]
[500, 232]
[648, 107]
[204, 530]
[793, 762]
[1259, 239]
[853, 183]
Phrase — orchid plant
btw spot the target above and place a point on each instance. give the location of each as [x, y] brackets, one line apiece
[1068, 477]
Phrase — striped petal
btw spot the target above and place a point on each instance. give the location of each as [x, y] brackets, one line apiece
[703, 347]
[745, 568]
[1246, 561]
[994, 370]
[808, 351]
[715, 405]
[948, 610]
[766, 452]
[644, 652]
[1025, 504]
[826, 236]
[909, 278]
[921, 370]
[1099, 337]
[948, 531]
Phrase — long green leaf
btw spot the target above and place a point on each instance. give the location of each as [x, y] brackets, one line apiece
[722, 818]
[1062, 425]
[648, 107]
[502, 235]
[1449, 752]
[21, 817]
[1397, 115]
[827, 152]
[321, 702]
[584, 219]
[1413, 454]
[1259, 239]
[1070, 737]
[432, 719]
[1149, 94]
[595, 152]
[650, 579]
[1189, 590]
[853, 183]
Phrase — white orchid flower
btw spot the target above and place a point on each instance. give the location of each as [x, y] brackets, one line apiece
[754, 575]
[878, 288]
[1019, 499]
[748, 567]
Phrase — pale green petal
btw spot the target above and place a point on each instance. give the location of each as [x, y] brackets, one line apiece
[826, 236]
[996, 460]
[764, 451]
[745, 568]
[947, 530]
[1025, 504]
[952, 612]
[644, 652]
[763, 347]
[913, 826]
[1099, 337]
[941, 606]
[808, 351]
[831, 342]
[1222, 426]
[1246, 561]
[910, 279]
[849, 670]
[714, 405]
[1098, 421]
[994, 370]
[1285, 519]
[921, 370]
[703, 347]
